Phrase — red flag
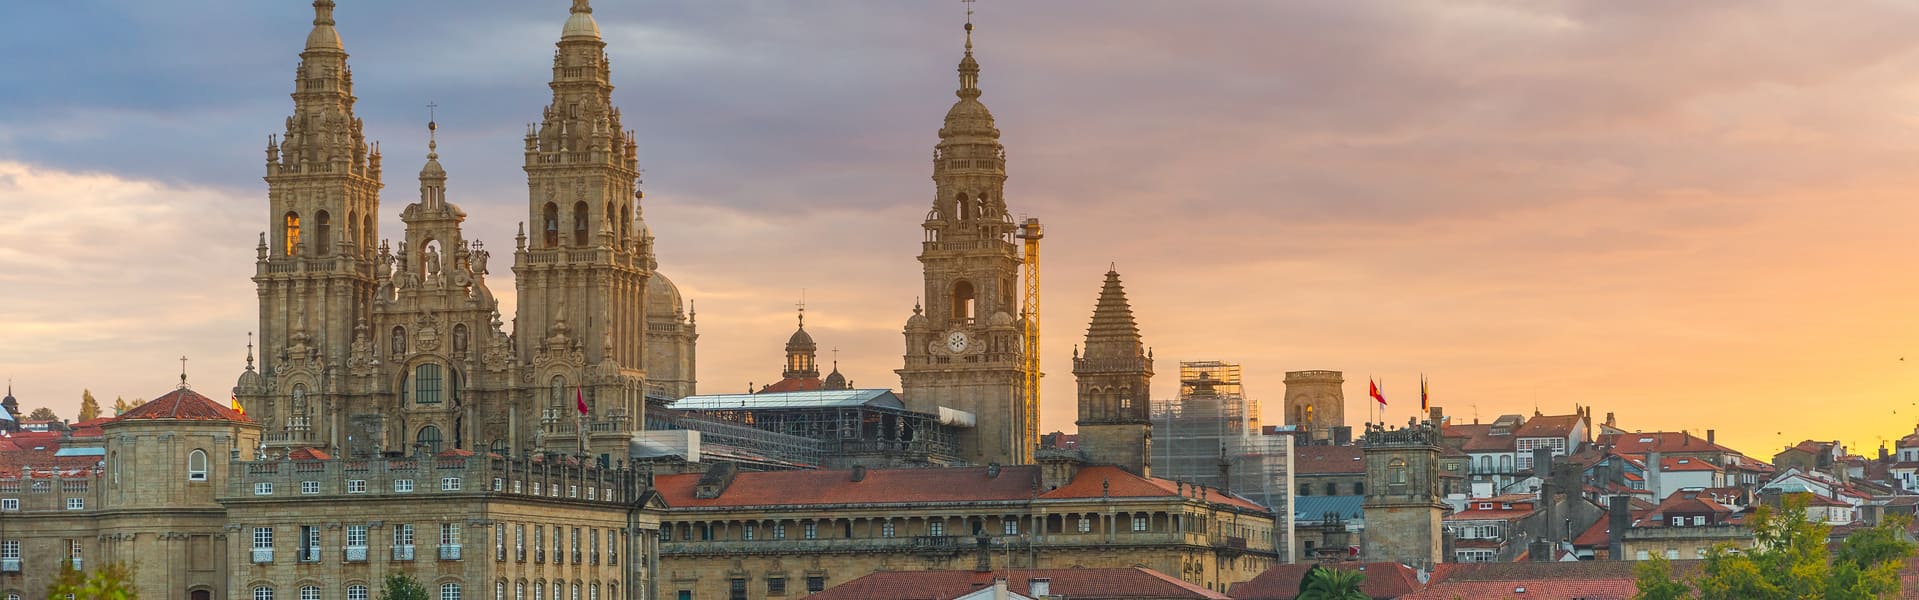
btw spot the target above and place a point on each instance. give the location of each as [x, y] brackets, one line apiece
[1375, 392]
[580, 398]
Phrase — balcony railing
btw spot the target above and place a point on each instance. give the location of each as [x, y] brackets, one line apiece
[77, 564]
[355, 553]
[262, 555]
[449, 552]
[403, 552]
[310, 554]
[10, 565]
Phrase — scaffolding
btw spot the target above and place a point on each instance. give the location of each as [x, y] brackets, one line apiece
[1208, 436]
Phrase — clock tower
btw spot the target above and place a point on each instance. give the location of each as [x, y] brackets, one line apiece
[963, 349]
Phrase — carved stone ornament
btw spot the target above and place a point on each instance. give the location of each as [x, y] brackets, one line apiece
[426, 337]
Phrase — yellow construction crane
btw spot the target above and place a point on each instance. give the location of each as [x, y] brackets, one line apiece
[1029, 309]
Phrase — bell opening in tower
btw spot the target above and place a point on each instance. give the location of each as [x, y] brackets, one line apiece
[963, 302]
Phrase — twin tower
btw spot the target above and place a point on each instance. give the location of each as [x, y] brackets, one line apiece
[370, 346]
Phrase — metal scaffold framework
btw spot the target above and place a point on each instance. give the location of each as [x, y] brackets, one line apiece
[1031, 233]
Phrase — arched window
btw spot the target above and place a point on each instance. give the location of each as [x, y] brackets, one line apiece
[399, 341]
[550, 225]
[626, 221]
[309, 592]
[426, 384]
[959, 207]
[263, 593]
[429, 439]
[356, 592]
[459, 338]
[449, 591]
[499, 590]
[292, 247]
[197, 465]
[498, 447]
[579, 223]
[366, 234]
[353, 232]
[963, 301]
[1506, 464]
[323, 230]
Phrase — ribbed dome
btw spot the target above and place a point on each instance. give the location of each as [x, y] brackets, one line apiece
[834, 380]
[662, 297]
[801, 340]
[969, 117]
[581, 23]
[323, 37]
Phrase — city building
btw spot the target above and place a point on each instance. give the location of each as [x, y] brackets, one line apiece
[1114, 378]
[1404, 499]
[1134, 583]
[1316, 404]
[1685, 526]
[1384, 581]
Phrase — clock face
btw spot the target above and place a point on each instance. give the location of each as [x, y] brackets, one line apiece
[956, 342]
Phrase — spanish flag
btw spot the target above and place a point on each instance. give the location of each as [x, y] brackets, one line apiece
[236, 405]
[1424, 404]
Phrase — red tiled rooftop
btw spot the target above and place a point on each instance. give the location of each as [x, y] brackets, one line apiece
[1552, 426]
[1685, 463]
[1480, 438]
[1383, 580]
[183, 404]
[1329, 460]
[1079, 584]
[1105, 480]
[793, 384]
[898, 486]
[1663, 441]
[1571, 580]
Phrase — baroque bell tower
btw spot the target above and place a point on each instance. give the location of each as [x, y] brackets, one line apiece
[582, 270]
[1114, 376]
[315, 269]
[963, 351]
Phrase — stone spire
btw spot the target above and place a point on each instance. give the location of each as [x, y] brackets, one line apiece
[1113, 332]
[580, 24]
[432, 175]
[323, 36]
[322, 133]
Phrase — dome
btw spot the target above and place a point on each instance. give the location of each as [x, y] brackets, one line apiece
[801, 340]
[662, 297]
[581, 23]
[323, 36]
[918, 321]
[1001, 319]
[834, 380]
[969, 117]
[250, 380]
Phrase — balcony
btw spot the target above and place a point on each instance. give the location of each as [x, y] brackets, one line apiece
[310, 554]
[449, 552]
[403, 552]
[77, 564]
[9, 565]
[354, 553]
[262, 555]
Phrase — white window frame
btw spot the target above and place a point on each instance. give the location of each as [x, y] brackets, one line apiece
[10, 504]
[309, 487]
[1140, 523]
[263, 593]
[356, 592]
[199, 474]
[76, 504]
[356, 486]
[449, 484]
[263, 488]
[402, 486]
[309, 592]
[886, 529]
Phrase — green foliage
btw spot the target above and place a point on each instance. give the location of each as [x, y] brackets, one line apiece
[89, 408]
[1789, 561]
[111, 582]
[1324, 583]
[401, 586]
[43, 414]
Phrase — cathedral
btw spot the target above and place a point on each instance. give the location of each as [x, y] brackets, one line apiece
[372, 346]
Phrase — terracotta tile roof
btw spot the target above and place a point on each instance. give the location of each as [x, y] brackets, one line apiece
[1106, 480]
[308, 454]
[1663, 441]
[1599, 535]
[183, 404]
[879, 486]
[1079, 584]
[1329, 460]
[95, 422]
[1685, 463]
[793, 384]
[1554, 426]
[1479, 438]
[1384, 580]
[1570, 580]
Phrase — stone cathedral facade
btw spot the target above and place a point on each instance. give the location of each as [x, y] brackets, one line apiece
[370, 345]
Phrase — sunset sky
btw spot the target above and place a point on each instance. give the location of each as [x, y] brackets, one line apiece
[1695, 215]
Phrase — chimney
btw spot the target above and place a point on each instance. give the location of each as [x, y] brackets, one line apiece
[1540, 550]
[1712, 437]
[1437, 414]
[1617, 520]
[1610, 422]
[1652, 476]
[983, 561]
[1542, 463]
[999, 589]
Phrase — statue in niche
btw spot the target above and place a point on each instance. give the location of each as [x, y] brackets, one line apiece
[431, 258]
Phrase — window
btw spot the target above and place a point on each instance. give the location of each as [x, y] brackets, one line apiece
[309, 487]
[1332, 489]
[572, 491]
[263, 593]
[1678, 521]
[593, 592]
[746, 532]
[76, 504]
[264, 488]
[612, 550]
[499, 542]
[1085, 525]
[576, 590]
[292, 242]
[449, 484]
[449, 591]
[356, 486]
[779, 531]
[815, 583]
[428, 439]
[499, 591]
[1139, 523]
[309, 543]
[263, 538]
[1009, 526]
[736, 589]
[579, 228]
[403, 485]
[1305, 489]
[550, 224]
[449, 541]
[10, 504]
[593, 545]
[402, 542]
[197, 465]
[1359, 488]
[936, 528]
[519, 543]
[426, 384]
[812, 531]
[519, 591]
[539, 543]
[776, 586]
[1672, 554]
[886, 529]
[1698, 521]
[309, 592]
[559, 544]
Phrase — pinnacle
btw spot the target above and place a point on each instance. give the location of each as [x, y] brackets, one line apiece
[1113, 327]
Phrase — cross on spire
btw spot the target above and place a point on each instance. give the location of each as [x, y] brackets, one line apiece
[802, 307]
[969, 24]
[183, 371]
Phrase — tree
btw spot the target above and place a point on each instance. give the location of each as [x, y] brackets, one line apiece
[111, 582]
[401, 586]
[1789, 561]
[120, 406]
[1326, 583]
[89, 408]
[43, 414]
